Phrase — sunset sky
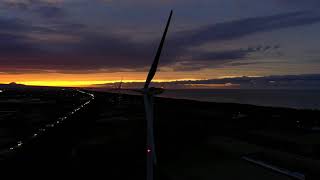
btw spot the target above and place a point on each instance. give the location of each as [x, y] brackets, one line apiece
[83, 42]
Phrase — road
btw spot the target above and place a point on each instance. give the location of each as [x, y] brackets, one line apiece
[10, 151]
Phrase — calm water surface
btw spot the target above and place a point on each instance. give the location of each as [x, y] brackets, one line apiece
[301, 99]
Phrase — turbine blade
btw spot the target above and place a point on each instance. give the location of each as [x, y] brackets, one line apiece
[154, 65]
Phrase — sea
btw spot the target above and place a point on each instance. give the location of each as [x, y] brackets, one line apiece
[293, 98]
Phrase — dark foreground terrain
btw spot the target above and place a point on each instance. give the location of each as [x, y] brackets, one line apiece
[194, 140]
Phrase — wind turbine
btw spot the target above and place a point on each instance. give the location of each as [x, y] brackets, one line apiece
[119, 91]
[148, 94]
[120, 85]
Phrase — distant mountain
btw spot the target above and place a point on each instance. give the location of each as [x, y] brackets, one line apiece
[305, 81]
[12, 85]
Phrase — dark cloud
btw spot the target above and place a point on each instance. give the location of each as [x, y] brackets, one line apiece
[45, 9]
[12, 40]
[49, 11]
[11, 44]
[300, 3]
[190, 66]
[100, 51]
[19, 38]
[216, 58]
[11, 24]
[130, 54]
[224, 55]
[243, 27]
[243, 63]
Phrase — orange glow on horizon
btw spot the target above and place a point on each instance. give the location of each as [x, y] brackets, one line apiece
[75, 83]
[71, 80]
[91, 79]
[86, 80]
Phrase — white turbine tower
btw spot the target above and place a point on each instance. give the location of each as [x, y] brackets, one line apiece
[148, 94]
